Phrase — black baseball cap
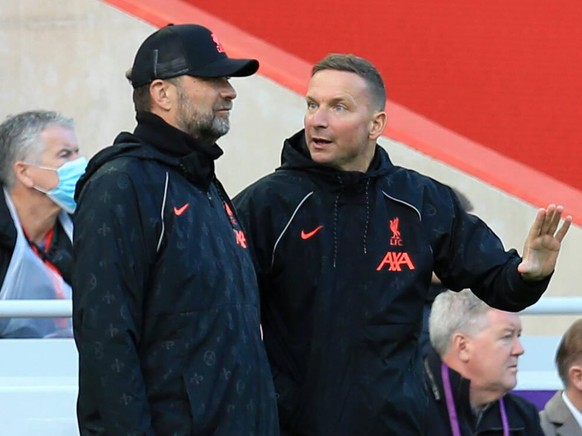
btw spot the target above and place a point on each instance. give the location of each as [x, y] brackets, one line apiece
[185, 49]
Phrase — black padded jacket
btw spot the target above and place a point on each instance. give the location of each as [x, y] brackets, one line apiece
[522, 416]
[344, 263]
[165, 299]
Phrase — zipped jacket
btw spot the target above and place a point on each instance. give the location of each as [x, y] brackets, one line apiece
[40, 275]
[344, 262]
[165, 305]
[522, 416]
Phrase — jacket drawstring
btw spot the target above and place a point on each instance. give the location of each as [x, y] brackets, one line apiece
[335, 218]
[367, 223]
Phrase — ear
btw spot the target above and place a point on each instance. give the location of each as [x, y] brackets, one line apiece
[461, 345]
[162, 94]
[22, 173]
[377, 125]
[575, 376]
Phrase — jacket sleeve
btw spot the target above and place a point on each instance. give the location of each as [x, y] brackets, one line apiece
[471, 255]
[114, 244]
[255, 214]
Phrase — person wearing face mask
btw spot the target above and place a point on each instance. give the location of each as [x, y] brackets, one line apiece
[39, 167]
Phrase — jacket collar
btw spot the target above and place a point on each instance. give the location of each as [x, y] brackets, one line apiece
[490, 416]
[459, 385]
[195, 159]
[559, 415]
[295, 155]
[7, 229]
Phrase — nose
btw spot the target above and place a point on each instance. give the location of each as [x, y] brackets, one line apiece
[518, 349]
[227, 91]
[316, 118]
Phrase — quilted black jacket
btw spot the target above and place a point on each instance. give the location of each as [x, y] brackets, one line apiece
[165, 300]
[344, 262]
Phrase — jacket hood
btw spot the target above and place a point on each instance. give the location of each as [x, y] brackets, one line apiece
[154, 139]
[125, 145]
[295, 155]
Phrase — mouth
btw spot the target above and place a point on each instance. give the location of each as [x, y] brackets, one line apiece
[224, 109]
[320, 142]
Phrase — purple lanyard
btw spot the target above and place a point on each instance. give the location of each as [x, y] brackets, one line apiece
[453, 419]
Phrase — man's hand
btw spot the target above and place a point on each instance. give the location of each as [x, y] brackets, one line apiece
[541, 248]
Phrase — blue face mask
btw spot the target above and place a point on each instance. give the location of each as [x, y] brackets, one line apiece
[69, 174]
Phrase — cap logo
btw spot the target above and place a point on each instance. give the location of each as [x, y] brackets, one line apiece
[219, 47]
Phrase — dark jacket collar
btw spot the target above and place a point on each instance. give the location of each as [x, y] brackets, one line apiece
[295, 155]
[490, 416]
[196, 159]
[155, 131]
[459, 385]
[154, 139]
[7, 236]
[7, 229]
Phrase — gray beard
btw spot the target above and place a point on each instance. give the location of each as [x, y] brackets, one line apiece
[212, 131]
[206, 128]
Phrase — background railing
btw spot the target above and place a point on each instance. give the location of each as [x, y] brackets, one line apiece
[555, 306]
[35, 308]
[63, 308]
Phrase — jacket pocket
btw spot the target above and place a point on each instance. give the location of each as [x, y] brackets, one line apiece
[204, 399]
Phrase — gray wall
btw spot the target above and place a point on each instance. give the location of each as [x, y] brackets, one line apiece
[71, 56]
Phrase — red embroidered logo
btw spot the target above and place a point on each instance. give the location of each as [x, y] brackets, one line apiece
[240, 238]
[180, 210]
[395, 239]
[395, 261]
[230, 214]
[219, 47]
[307, 235]
[239, 235]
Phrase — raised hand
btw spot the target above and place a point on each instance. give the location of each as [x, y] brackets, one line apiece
[542, 245]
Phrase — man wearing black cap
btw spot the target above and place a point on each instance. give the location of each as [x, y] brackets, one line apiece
[165, 306]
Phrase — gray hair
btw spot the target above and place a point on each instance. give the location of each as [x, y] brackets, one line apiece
[20, 139]
[354, 64]
[455, 312]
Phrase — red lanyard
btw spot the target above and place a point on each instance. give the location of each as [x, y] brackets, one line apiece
[453, 419]
[48, 240]
[59, 292]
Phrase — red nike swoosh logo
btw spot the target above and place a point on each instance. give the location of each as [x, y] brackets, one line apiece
[181, 210]
[307, 235]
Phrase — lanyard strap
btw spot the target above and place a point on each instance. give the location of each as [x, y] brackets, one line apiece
[453, 419]
[504, 421]
[455, 429]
